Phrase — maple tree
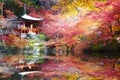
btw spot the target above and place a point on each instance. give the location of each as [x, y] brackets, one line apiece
[108, 14]
[60, 26]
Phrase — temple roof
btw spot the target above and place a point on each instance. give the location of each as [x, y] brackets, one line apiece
[27, 17]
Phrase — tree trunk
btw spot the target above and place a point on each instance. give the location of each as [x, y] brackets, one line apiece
[111, 29]
[69, 50]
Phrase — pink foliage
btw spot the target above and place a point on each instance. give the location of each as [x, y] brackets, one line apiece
[99, 4]
[3, 23]
[109, 16]
[62, 29]
[1, 5]
[34, 14]
[9, 14]
[61, 66]
[53, 26]
[116, 3]
[3, 37]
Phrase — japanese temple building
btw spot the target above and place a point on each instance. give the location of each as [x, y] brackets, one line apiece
[29, 23]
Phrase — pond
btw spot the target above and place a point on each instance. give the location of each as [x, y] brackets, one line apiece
[17, 76]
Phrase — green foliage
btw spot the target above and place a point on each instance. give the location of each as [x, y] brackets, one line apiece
[108, 48]
[30, 3]
[97, 47]
[114, 44]
[40, 61]
[13, 5]
[41, 36]
[105, 45]
[9, 5]
[31, 42]
[6, 0]
[41, 45]
[31, 57]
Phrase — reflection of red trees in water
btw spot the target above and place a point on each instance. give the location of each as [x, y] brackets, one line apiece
[107, 73]
[52, 68]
